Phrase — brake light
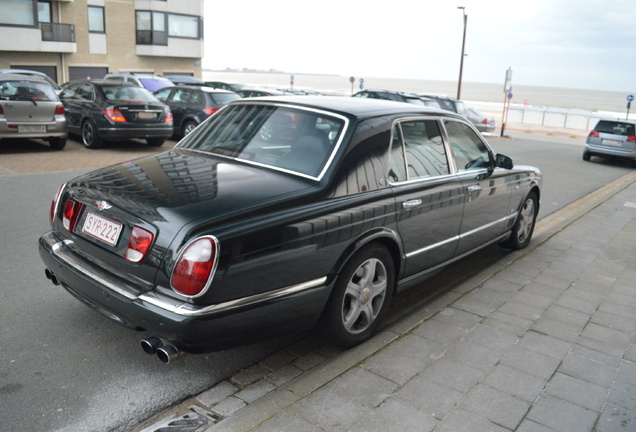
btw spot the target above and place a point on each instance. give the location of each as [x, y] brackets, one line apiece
[631, 139]
[211, 111]
[485, 121]
[70, 214]
[194, 269]
[138, 244]
[594, 134]
[56, 199]
[58, 109]
[169, 117]
[1, 110]
[114, 115]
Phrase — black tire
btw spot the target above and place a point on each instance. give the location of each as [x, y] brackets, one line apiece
[57, 143]
[360, 298]
[586, 156]
[90, 136]
[155, 142]
[188, 127]
[524, 225]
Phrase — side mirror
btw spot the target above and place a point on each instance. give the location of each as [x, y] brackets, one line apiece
[504, 162]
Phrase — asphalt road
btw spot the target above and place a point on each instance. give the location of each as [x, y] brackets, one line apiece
[65, 368]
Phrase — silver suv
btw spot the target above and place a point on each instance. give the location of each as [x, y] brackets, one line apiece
[612, 138]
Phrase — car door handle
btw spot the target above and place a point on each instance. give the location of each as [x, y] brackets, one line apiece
[474, 188]
[411, 203]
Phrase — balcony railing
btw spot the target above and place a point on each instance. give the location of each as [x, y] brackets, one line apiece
[57, 32]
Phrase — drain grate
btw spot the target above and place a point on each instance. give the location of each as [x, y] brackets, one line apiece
[195, 420]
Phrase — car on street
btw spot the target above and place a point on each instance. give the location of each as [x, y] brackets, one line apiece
[229, 237]
[185, 80]
[30, 109]
[150, 82]
[481, 121]
[255, 92]
[447, 103]
[106, 110]
[612, 138]
[391, 95]
[191, 105]
[226, 85]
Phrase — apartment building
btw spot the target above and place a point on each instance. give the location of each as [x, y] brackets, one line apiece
[71, 39]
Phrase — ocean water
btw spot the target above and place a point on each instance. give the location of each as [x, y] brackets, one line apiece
[564, 98]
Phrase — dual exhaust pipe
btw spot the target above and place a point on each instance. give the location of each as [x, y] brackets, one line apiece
[165, 352]
[153, 345]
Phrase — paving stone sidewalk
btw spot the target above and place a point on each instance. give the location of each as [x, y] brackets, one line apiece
[544, 343]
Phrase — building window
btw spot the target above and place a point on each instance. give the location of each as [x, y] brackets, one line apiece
[154, 28]
[44, 12]
[151, 28]
[186, 26]
[96, 23]
[18, 12]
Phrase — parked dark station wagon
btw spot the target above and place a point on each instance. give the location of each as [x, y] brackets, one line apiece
[281, 214]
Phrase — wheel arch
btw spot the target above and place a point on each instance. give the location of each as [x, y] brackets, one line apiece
[384, 236]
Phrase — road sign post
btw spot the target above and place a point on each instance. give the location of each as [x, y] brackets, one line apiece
[630, 98]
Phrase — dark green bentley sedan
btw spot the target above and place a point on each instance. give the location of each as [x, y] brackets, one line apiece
[281, 214]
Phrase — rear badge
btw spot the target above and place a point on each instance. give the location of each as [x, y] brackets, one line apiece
[103, 205]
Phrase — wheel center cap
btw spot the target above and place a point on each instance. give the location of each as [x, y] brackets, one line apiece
[366, 295]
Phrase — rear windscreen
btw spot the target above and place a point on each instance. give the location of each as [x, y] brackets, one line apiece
[616, 128]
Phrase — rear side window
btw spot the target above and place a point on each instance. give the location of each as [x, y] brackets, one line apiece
[615, 128]
[417, 151]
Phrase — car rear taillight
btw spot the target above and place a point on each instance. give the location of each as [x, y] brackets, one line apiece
[194, 269]
[114, 115]
[70, 214]
[59, 109]
[139, 244]
[169, 117]
[485, 121]
[1, 110]
[56, 199]
[631, 139]
[211, 111]
[594, 134]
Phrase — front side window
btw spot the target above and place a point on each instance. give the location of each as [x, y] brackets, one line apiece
[96, 23]
[284, 138]
[417, 151]
[469, 151]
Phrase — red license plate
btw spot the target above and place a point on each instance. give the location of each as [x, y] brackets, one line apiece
[102, 228]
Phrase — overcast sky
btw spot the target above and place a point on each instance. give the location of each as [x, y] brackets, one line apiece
[586, 44]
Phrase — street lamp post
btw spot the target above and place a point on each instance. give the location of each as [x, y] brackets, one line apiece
[461, 63]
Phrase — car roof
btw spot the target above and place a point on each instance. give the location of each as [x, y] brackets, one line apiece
[101, 82]
[357, 107]
[21, 77]
[198, 87]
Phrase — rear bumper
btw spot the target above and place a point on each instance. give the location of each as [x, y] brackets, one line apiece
[610, 151]
[189, 327]
[111, 134]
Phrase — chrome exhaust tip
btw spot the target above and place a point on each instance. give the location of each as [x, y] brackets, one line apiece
[151, 345]
[168, 353]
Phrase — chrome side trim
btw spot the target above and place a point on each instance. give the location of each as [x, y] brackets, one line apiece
[459, 237]
[191, 310]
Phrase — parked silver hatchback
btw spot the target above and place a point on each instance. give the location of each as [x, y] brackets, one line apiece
[612, 138]
[29, 108]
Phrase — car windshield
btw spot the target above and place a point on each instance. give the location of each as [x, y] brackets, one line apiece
[26, 90]
[288, 139]
[156, 83]
[616, 128]
[128, 93]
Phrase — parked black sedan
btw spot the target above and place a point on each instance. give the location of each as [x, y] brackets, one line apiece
[236, 235]
[190, 105]
[106, 110]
